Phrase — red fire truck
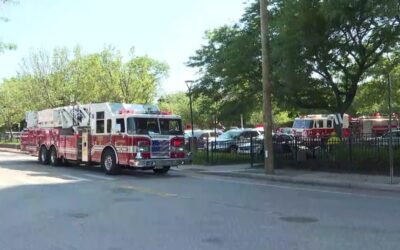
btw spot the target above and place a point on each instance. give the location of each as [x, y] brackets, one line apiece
[375, 125]
[319, 125]
[115, 135]
[323, 125]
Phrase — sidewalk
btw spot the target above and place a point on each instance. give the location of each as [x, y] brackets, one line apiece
[11, 150]
[342, 180]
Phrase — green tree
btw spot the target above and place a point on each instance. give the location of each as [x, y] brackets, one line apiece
[58, 78]
[320, 52]
[230, 72]
[12, 110]
[372, 95]
[5, 46]
[178, 103]
[329, 46]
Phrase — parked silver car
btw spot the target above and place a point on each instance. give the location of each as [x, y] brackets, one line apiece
[231, 140]
[385, 139]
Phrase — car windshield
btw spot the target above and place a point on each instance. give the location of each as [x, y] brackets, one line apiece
[154, 126]
[229, 135]
[300, 123]
[395, 134]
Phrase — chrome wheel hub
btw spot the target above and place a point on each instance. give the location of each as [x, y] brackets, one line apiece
[108, 162]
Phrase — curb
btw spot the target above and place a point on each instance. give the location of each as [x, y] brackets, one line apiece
[326, 183]
[10, 146]
[11, 150]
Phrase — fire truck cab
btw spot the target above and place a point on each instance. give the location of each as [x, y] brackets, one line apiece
[115, 135]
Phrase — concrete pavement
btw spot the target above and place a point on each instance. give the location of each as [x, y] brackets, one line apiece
[307, 177]
[43, 207]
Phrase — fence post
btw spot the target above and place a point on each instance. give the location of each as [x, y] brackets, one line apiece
[251, 152]
[350, 148]
[207, 152]
[212, 152]
[296, 148]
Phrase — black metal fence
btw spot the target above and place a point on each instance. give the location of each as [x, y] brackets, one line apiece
[354, 153]
[7, 137]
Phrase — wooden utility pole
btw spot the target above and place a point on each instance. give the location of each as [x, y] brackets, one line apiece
[267, 108]
[189, 85]
[390, 129]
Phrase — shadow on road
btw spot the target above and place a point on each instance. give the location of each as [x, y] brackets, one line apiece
[30, 164]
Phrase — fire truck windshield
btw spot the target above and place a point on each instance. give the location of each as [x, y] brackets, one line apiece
[300, 123]
[154, 126]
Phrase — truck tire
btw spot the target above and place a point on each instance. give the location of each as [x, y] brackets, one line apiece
[163, 170]
[109, 162]
[54, 160]
[43, 155]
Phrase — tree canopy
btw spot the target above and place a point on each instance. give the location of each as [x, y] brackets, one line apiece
[3, 45]
[48, 80]
[320, 53]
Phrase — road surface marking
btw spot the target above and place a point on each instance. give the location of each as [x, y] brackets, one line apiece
[148, 191]
[100, 177]
[293, 188]
[75, 177]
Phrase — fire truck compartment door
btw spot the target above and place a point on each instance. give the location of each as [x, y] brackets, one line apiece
[367, 127]
[85, 146]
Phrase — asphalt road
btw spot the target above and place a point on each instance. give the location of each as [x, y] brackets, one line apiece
[43, 207]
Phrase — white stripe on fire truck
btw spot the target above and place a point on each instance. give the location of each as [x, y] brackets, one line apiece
[120, 149]
[67, 150]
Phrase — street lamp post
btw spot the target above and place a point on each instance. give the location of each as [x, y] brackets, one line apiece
[189, 85]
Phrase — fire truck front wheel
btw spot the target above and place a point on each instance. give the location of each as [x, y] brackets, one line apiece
[109, 162]
[43, 155]
[54, 160]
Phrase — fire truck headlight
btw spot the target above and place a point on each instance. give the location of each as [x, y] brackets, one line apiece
[177, 149]
[143, 146]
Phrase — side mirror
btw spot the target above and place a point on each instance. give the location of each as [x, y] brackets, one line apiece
[117, 128]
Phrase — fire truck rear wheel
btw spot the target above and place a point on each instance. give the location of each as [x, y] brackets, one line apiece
[54, 160]
[109, 162]
[163, 170]
[43, 155]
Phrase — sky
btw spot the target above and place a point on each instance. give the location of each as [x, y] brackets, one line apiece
[169, 31]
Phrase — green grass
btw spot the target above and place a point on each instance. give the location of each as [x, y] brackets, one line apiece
[366, 155]
[219, 158]
[13, 142]
[362, 156]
